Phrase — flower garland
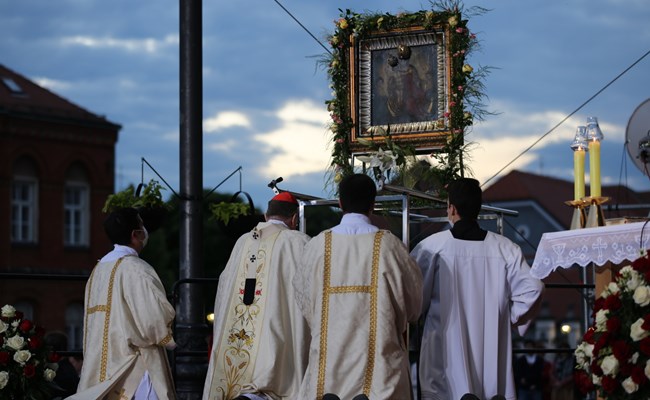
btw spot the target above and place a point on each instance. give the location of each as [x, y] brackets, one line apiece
[27, 367]
[614, 356]
[466, 82]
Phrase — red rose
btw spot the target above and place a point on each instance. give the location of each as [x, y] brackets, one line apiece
[613, 324]
[598, 305]
[583, 382]
[622, 350]
[29, 370]
[53, 357]
[601, 342]
[35, 343]
[4, 357]
[595, 368]
[589, 336]
[646, 322]
[612, 302]
[641, 264]
[638, 376]
[609, 384]
[25, 326]
[644, 346]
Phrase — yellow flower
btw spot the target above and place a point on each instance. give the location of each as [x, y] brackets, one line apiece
[453, 21]
[467, 69]
[338, 177]
[343, 23]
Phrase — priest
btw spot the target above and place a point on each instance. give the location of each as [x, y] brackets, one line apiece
[127, 321]
[477, 287]
[260, 338]
[358, 289]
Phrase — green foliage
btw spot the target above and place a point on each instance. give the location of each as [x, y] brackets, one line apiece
[150, 196]
[225, 211]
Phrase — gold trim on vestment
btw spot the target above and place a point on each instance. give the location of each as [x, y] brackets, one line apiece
[165, 340]
[329, 290]
[94, 309]
[107, 320]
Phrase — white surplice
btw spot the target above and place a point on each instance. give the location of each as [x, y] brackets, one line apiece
[358, 289]
[261, 347]
[474, 292]
[127, 327]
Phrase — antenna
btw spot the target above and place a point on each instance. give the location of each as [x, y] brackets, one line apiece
[637, 137]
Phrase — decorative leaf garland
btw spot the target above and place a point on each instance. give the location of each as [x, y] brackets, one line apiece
[466, 84]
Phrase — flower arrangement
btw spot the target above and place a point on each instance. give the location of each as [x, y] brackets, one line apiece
[614, 355]
[27, 367]
[465, 101]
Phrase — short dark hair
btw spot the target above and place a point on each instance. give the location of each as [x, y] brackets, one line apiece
[120, 223]
[357, 193]
[466, 195]
[281, 209]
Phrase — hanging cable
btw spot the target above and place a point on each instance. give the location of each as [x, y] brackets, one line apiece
[567, 117]
[303, 26]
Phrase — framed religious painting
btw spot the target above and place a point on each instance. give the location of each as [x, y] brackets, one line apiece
[400, 85]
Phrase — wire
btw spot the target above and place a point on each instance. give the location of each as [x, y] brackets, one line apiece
[302, 26]
[568, 116]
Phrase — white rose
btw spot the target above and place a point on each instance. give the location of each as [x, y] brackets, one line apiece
[647, 369]
[8, 311]
[49, 375]
[629, 385]
[4, 379]
[595, 379]
[15, 324]
[22, 356]
[637, 332]
[626, 269]
[634, 358]
[3, 327]
[613, 288]
[601, 320]
[610, 365]
[642, 295]
[16, 342]
[634, 281]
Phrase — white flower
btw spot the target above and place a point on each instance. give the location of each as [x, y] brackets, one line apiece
[3, 327]
[634, 280]
[610, 365]
[630, 386]
[49, 375]
[642, 295]
[16, 342]
[595, 379]
[4, 379]
[647, 369]
[612, 288]
[22, 356]
[637, 332]
[15, 324]
[8, 311]
[634, 358]
[601, 320]
[583, 354]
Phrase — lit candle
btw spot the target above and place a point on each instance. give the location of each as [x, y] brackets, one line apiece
[579, 147]
[594, 136]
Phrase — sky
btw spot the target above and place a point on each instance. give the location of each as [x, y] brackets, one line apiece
[264, 90]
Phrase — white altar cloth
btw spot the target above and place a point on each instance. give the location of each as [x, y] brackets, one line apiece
[597, 245]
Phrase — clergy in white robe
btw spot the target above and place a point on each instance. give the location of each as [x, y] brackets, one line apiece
[477, 286]
[358, 289]
[260, 338]
[127, 321]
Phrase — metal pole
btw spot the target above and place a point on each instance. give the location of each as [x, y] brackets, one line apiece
[191, 328]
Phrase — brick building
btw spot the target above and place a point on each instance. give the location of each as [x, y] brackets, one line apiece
[56, 170]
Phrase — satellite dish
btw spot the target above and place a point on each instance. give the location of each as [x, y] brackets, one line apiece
[637, 137]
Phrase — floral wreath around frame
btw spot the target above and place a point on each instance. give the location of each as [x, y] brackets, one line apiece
[467, 89]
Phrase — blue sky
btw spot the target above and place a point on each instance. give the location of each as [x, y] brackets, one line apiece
[264, 91]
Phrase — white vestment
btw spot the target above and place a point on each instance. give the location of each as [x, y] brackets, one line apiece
[127, 326]
[260, 347]
[474, 292]
[358, 293]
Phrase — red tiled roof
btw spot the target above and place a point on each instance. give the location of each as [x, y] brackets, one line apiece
[34, 101]
[551, 194]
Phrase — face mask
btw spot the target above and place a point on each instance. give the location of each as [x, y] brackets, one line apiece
[146, 236]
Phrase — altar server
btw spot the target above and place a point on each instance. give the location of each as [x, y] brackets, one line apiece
[358, 289]
[127, 321]
[477, 286]
[260, 337]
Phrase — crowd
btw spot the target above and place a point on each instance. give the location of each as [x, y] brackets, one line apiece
[325, 317]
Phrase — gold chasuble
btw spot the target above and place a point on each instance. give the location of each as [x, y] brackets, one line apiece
[358, 292]
[239, 343]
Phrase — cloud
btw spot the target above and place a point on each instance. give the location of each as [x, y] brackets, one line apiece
[223, 146]
[147, 45]
[52, 84]
[299, 146]
[226, 119]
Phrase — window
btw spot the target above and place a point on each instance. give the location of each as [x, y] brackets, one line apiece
[74, 316]
[75, 207]
[24, 196]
